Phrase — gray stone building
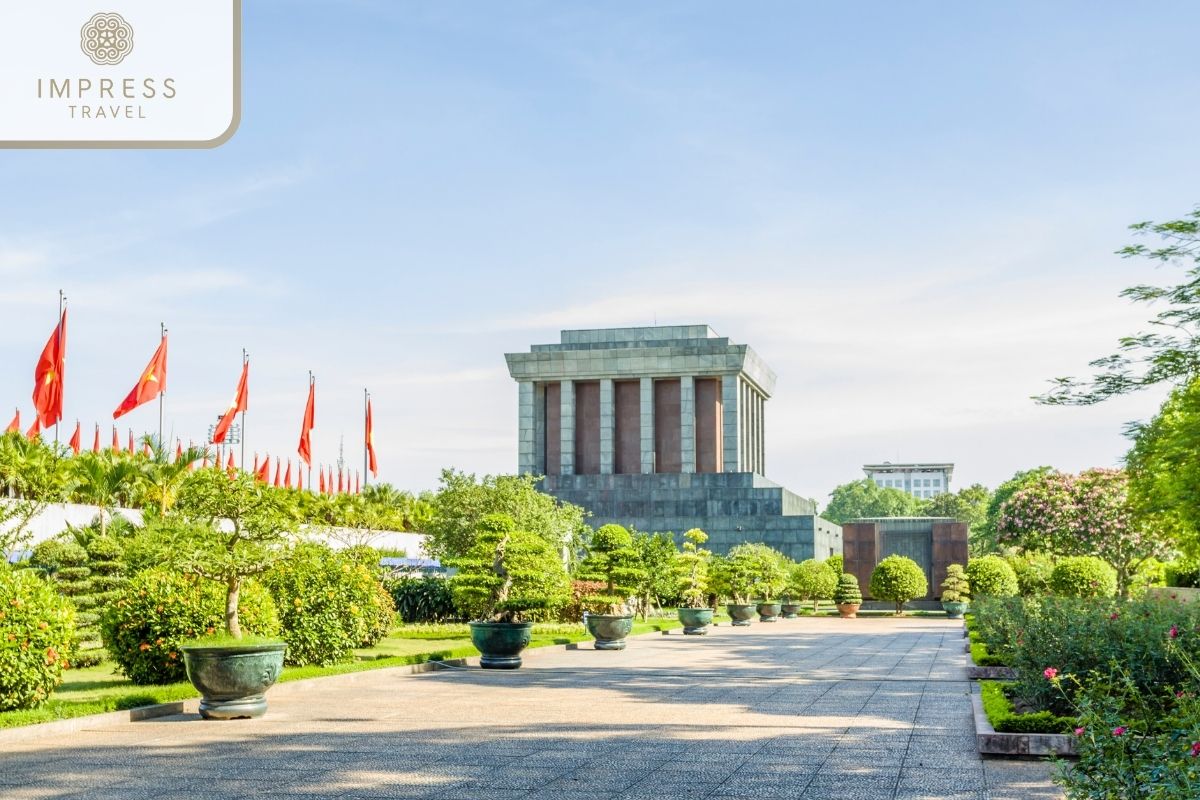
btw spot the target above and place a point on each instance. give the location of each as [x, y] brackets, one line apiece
[661, 429]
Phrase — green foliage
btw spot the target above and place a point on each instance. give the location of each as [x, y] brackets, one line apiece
[462, 501]
[983, 658]
[1033, 571]
[1083, 576]
[509, 572]
[991, 576]
[424, 599]
[969, 505]
[1004, 718]
[329, 603]
[692, 565]
[836, 563]
[656, 581]
[158, 610]
[37, 631]
[613, 560]
[898, 579]
[30, 477]
[956, 588]
[749, 571]
[811, 580]
[1183, 573]
[864, 498]
[847, 591]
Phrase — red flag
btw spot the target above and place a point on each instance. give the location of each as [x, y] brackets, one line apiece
[229, 464]
[371, 465]
[48, 376]
[329, 480]
[306, 426]
[132, 449]
[340, 480]
[205, 464]
[263, 473]
[278, 473]
[241, 402]
[178, 449]
[152, 382]
[74, 443]
[300, 477]
[322, 472]
[15, 425]
[255, 468]
[96, 440]
[287, 477]
[116, 445]
[35, 430]
[357, 488]
[146, 448]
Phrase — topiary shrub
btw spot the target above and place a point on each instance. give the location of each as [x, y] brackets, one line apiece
[425, 599]
[1083, 576]
[991, 576]
[1032, 570]
[328, 604]
[811, 580]
[89, 576]
[956, 588]
[37, 631]
[898, 579]
[847, 591]
[612, 559]
[836, 563]
[158, 611]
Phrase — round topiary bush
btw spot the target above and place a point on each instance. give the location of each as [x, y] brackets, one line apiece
[157, 611]
[898, 579]
[811, 580]
[991, 576]
[37, 629]
[1083, 576]
[847, 591]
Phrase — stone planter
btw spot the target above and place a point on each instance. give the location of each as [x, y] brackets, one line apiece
[609, 630]
[742, 614]
[955, 608]
[234, 679]
[500, 643]
[848, 610]
[791, 610]
[768, 612]
[695, 620]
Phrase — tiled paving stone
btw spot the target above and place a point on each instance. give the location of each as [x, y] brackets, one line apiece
[805, 708]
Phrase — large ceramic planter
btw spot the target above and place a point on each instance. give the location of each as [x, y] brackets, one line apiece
[741, 614]
[791, 610]
[609, 630]
[234, 679]
[848, 610]
[695, 620]
[955, 608]
[500, 643]
[768, 612]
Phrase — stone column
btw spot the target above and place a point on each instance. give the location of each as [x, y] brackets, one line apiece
[729, 424]
[687, 423]
[607, 426]
[567, 426]
[647, 425]
[539, 428]
[525, 426]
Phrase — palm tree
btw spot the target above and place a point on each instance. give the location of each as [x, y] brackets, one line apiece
[107, 480]
[165, 476]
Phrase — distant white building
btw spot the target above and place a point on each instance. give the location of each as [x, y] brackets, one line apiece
[919, 480]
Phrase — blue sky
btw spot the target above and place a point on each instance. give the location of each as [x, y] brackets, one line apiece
[908, 209]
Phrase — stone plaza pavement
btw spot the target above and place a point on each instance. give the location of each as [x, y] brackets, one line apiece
[805, 708]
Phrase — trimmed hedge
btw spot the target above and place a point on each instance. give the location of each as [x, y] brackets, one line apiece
[991, 576]
[426, 599]
[1083, 576]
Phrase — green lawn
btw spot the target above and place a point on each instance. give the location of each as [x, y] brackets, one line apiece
[95, 690]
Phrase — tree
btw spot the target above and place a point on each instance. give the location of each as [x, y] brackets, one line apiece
[1170, 351]
[507, 572]
[107, 480]
[163, 476]
[812, 580]
[656, 561]
[462, 501]
[968, 505]
[749, 570]
[614, 560]
[864, 499]
[898, 579]
[32, 477]
[243, 526]
[692, 565]
[987, 541]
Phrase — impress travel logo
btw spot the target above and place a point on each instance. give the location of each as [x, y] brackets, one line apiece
[79, 76]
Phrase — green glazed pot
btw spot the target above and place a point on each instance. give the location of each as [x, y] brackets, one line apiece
[609, 630]
[955, 609]
[234, 679]
[695, 620]
[791, 610]
[742, 614]
[500, 643]
[768, 612]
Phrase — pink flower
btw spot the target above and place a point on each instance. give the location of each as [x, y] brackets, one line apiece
[1174, 632]
[1113, 615]
[1119, 730]
[1195, 749]
[1079, 731]
[1051, 673]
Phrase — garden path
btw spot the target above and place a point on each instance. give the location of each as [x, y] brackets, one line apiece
[806, 708]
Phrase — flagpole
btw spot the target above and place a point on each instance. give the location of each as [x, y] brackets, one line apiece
[58, 337]
[366, 401]
[245, 360]
[310, 385]
[162, 327]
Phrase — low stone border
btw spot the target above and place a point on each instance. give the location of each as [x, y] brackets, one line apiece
[978, 673]
[990, 742]
[25, 733]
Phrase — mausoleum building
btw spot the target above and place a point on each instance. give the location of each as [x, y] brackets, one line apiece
[661, 429]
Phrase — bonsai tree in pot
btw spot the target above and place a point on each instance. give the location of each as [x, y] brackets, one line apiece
[505, 574]
[692, 568]
[847, 596]
[773, 568]
[811, 580]
[956, 592]
[898, 579]
[614, 561]
[733, 577]
[238, 528]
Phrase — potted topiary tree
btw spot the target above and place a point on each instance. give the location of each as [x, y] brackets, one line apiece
[811, 580]
[239, 528]
[772, 580]
[847, 596]
[506, 573]
[898, 579]
[956, 592]
[691, 566]
[734, 577]
[613, 560]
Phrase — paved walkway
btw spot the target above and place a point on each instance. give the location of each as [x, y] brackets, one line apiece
[806, 708]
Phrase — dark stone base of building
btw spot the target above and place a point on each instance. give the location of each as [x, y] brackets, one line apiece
[731, 507]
